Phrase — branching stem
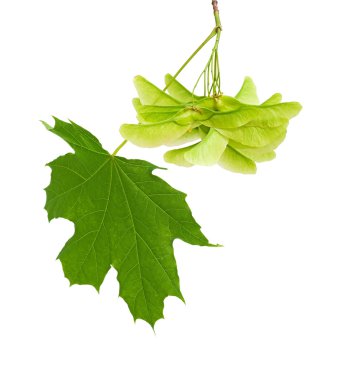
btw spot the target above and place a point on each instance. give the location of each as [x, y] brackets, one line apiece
[211, 72]
[210, 37]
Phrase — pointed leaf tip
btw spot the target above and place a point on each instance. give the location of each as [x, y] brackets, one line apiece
[46, 125]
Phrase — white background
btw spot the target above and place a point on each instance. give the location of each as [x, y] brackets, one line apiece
[264, 306]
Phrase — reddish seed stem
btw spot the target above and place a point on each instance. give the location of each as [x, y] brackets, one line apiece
[215, 5]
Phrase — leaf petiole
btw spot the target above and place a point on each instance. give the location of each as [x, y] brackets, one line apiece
[119, 147]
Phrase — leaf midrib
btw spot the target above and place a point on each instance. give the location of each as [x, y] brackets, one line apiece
[135, 239]
[139, 235]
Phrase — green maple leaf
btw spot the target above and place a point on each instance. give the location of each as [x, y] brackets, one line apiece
[124, 216]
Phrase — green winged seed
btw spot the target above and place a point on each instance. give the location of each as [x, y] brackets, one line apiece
[261, 154]
[190, 136]
[254, 136]
[248, 94]
[270, 115]
[154, 114]
[149, 94]
[235, 162]
[255, 155]
[146, 109]
[270, 147]
[274, 99]
[177, 156]
[178, 91]
[153, 135]
[208, 151]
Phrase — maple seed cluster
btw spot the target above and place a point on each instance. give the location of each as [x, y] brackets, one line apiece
[234, 132]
